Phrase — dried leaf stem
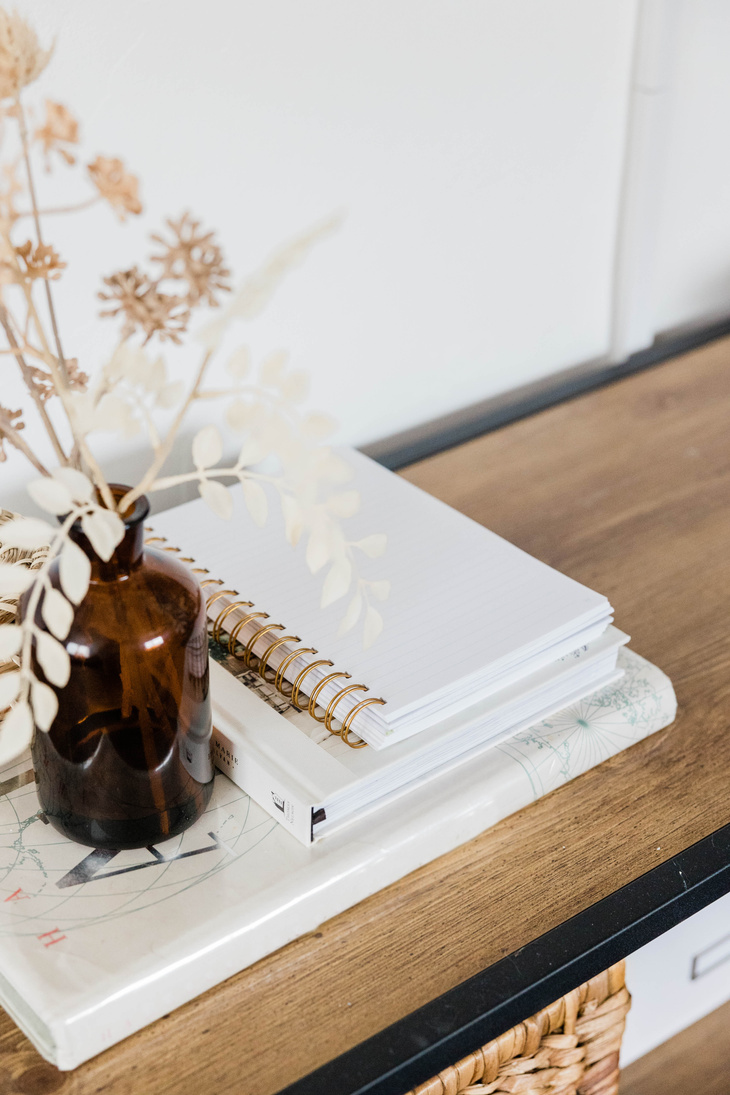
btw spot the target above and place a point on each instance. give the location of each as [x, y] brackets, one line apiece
[63, 392]
[12, 436]
[212, 473]
[39, 586]
[23, 129]
[27, 377]
[165, 448]
[77, 208]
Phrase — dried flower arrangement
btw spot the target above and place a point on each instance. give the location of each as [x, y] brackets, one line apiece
[186, 272]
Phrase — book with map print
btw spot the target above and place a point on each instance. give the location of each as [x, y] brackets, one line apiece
[96, 944]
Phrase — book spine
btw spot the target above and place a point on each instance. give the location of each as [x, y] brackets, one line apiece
[266, 787]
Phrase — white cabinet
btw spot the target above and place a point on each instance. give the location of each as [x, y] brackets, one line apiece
[677, 978]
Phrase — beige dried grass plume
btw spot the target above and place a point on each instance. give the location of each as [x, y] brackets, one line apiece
[21, 58]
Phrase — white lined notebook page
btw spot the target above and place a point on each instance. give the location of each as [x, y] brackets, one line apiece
[462, 601]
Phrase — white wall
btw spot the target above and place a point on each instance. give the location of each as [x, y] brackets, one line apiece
[528, 185]
[693, 259]
[476, 147]
[673, 240]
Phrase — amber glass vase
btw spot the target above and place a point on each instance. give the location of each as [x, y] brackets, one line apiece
[126, 763]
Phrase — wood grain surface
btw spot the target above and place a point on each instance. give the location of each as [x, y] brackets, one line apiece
[695, 1062]
[628, 490]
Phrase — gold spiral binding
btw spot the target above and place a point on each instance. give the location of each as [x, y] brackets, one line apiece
[312, 706]
[279, 678]
[225, 613]
[234, 633]
[248, 653]
[240, 624]
[263, 667]
[329, 713]
[294, 698]
[163, 540]
[217, 596]
[358, 743]
[347, 723]
[215, 582]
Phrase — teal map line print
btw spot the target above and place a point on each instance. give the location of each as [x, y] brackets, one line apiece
[593, 729]
[55, 892]
[42, 874]
[37, 864]
[51, 888]
[95, 945]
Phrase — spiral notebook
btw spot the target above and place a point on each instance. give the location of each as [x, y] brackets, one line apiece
[469, 614]
[305, 776]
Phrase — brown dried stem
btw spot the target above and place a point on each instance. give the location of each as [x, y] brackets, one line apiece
[28, 378]
[23, 129]
[13, 437]
[87, 457]
[94, 200]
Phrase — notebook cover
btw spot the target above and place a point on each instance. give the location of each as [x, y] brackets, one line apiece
[463, 601]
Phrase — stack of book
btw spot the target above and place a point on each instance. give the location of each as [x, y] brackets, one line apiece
[95, 944]
[496, 681]
[480, 641]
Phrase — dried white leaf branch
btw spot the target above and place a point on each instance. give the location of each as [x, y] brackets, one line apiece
[282, 450]
[35, 702]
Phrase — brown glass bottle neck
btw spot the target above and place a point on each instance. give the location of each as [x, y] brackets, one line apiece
[127, 555]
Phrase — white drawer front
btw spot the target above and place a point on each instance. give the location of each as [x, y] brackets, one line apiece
[678, 978]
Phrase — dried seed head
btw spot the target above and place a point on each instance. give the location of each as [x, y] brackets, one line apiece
[41, 261]
[60, 129]
[21, 58]
[117, 186]
[195, 257]
[144, 308]
[12, 420]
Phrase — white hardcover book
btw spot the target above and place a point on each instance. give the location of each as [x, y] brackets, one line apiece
[94, 945]
[468, 613]
[313, 783]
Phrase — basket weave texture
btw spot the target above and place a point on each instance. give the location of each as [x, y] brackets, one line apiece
[32, 559]
[9, 603]
[569, 1048]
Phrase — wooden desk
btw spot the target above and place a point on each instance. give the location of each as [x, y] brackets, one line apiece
[628, 490]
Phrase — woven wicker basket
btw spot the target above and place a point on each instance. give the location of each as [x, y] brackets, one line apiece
[32, 559]
[568, 1048]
